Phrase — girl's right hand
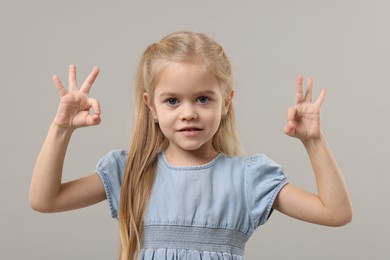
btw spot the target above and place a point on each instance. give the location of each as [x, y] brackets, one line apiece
[76, 108]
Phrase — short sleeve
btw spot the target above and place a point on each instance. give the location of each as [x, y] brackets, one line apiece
[263, 181]
[110, 169]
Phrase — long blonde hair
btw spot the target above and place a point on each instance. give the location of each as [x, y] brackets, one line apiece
[148, 141]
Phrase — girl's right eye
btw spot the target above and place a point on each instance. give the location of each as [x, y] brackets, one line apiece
[172, 101]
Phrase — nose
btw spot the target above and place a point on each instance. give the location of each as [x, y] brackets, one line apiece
[188, 112]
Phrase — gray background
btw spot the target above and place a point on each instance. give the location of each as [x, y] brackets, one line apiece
[344, 45]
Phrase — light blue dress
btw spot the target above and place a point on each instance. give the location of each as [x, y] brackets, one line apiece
[200, 212]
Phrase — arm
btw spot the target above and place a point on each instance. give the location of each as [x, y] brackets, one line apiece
[47, 192]
[332, 205]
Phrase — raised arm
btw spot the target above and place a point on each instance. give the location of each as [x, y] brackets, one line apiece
[332, 205]
[47, 192]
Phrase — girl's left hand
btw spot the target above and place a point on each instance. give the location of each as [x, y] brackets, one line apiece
[304, 118]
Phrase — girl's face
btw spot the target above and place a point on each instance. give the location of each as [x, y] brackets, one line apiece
[188, 105]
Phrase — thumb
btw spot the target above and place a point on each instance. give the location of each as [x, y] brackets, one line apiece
[94, 113]
[289, 129]
[92, 120]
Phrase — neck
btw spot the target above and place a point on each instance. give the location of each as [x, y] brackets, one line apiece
[190, 158]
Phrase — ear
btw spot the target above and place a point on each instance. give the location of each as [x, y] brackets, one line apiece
[148, 101]
[228, 101]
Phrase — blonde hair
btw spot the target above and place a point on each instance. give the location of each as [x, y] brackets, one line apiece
[148, 141]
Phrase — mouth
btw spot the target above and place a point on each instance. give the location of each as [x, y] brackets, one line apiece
[190, 129]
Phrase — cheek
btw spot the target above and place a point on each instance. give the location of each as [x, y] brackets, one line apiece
[165, 120]
[158, 111]
[214, 118]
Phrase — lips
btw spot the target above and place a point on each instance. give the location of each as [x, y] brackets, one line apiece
[189, 129]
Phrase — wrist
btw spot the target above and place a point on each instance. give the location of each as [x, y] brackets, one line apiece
[61, 130]
[314, 141]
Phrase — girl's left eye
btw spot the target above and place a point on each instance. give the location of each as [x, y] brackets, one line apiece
[203, 100]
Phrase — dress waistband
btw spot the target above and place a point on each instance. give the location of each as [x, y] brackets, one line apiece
[195, 238]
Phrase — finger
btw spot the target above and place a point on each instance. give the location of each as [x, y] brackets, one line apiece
[57, 82]
[291, 114]
[299, 92]
[95, 105]
[320, 98]
[309, 90]
[86, 87]
[72, 77]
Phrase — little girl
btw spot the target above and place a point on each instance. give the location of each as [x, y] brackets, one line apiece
[181, 190]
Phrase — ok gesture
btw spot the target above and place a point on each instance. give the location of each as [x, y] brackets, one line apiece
[304, 118]
[76, 108]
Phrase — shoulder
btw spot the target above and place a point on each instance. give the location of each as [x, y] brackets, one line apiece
[118, 156]
[252, 162]
[114, 160]
[110, 169]
[256, 169]
[261, 161]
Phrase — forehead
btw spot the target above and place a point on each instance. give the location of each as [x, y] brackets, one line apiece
[185, 78]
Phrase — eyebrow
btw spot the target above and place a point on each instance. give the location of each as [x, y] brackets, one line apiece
[200, 93]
